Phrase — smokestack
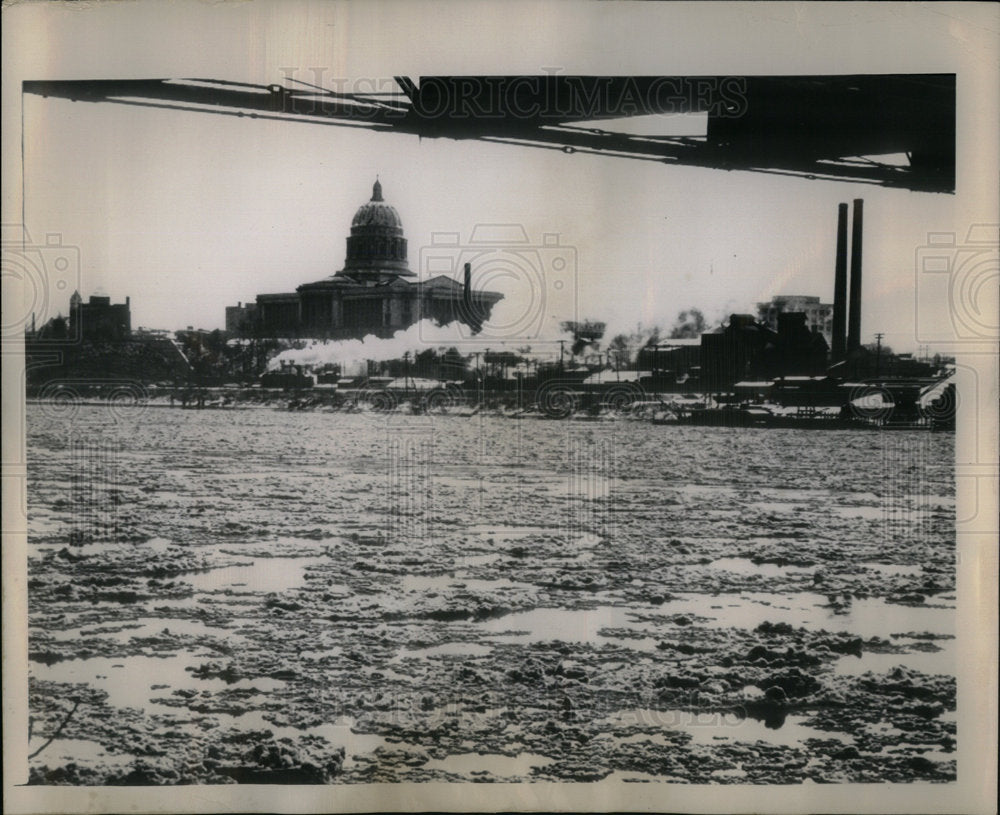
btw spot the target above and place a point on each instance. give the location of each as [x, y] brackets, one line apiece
[840, 289]
[469, 315]
[467, 292]
[854, 315]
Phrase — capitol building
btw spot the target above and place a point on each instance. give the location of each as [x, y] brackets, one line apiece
[374, 294]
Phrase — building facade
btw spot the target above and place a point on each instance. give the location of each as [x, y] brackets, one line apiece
[375, 293]
[98, 319]
[819, 316]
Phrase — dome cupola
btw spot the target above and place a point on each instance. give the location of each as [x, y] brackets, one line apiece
[376, 244]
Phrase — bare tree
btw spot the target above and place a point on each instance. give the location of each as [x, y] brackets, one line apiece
[690, 324]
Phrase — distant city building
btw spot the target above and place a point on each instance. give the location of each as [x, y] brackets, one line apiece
[819, 316]
[96, 345]
[241, 317]
[373, 294]
[98, 320]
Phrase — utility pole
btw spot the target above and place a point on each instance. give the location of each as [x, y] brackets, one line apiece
[562, 345]
[479, 382]
[878, 351]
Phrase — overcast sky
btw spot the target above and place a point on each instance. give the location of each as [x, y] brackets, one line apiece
[188, 212]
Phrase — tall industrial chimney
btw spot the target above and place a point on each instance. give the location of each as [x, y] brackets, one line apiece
[471, 318]
[837, 352]
[854, 315]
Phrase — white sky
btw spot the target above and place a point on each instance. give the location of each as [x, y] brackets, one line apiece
[189, 212]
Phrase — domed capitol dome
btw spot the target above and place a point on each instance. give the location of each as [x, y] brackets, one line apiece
[374, 294]
[376, 244]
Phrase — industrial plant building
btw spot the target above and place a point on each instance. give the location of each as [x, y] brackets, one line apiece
[791, 336]
[744, 349]
[375, 293]
[819, 316]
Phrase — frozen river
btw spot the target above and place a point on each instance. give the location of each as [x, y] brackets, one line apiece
[329, 597]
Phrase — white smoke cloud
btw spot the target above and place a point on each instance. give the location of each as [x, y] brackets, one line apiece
[353, 355]
[639, 334]
[539, 342]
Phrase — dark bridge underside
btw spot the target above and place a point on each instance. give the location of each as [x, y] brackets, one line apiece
[830, 127]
